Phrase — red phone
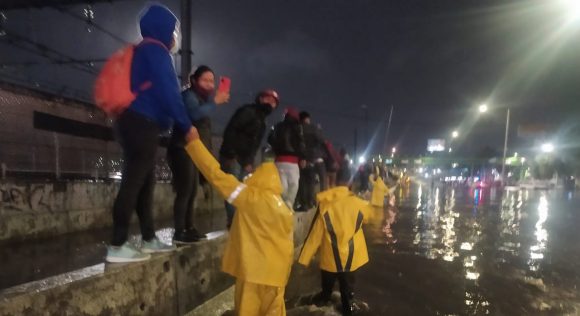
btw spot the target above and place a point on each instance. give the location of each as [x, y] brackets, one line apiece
[225, 84]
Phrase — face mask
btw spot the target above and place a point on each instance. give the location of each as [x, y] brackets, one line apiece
[267, 108]
[176, 41]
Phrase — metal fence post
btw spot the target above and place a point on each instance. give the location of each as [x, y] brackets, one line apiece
[56, 155]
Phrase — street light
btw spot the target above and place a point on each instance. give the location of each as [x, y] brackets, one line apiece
[455, 134]
[362, 159]
[572, 8]
[483, 109]
[394, 150]
[547, 147]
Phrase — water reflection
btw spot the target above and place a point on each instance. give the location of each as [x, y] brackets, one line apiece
[487, 242]
[537, 250]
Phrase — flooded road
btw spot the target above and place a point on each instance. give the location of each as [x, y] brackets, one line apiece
[459, 251]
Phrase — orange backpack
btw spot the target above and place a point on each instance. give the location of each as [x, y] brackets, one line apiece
[113, 92]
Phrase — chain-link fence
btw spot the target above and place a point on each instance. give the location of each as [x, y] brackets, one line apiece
[29, 148]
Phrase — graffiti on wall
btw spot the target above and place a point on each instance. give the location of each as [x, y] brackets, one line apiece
[26, 198]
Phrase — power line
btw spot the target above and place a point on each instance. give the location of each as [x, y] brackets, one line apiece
[44, 51]
[91, 23]
[88, 62]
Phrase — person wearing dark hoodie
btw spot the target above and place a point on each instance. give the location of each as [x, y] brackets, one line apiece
[242, 138]
[287, 141]
[157, 108]
[199, 101]
[314, 142]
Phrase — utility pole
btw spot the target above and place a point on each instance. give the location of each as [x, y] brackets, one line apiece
[186, 51]
[505, 143]
[386, 144]
[355, 158]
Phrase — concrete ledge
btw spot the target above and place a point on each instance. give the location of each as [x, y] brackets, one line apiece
[169, 284]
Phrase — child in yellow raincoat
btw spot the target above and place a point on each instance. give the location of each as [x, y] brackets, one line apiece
[259, 251]
[380, 190]
[337, 231]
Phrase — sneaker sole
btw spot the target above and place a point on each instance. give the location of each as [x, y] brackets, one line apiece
[144, 250]
[179, 242]
[125, 260]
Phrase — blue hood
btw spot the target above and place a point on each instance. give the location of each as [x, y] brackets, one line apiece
[158, 22]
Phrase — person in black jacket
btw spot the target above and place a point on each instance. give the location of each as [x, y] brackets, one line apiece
[242, 138]
[314, 142]
[200, 101]
[287, 141]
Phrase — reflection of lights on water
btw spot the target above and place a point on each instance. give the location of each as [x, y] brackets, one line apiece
[466, 246]
[419, 195]
[535, 256]
[537, 250]
[472, 275]
[476, 196]
[449, 257]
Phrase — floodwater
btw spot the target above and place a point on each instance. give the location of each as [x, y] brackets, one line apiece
[457, 251]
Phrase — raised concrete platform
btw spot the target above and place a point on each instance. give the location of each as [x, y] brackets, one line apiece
[169, 284]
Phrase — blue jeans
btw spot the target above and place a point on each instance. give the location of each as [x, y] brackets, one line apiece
[233, 167]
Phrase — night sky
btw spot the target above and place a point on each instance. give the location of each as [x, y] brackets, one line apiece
[433, 60]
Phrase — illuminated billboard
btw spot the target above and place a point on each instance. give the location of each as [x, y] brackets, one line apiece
[435, 145]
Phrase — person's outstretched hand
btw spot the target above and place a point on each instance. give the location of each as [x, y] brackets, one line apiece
[192, 135]
[221, 97]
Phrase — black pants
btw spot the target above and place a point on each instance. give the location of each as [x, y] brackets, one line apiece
[139, 138]
[306, 192]
[185, 184]
[346, 284]
[320, 170]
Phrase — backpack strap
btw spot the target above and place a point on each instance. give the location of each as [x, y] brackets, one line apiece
[150, 40]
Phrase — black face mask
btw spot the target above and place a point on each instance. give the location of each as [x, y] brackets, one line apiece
[267, 108]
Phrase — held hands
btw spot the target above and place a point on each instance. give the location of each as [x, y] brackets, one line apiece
[221, 97]
[192, 135]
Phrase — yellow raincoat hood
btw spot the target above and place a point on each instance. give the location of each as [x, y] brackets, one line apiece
[380, 190]
[266, 177]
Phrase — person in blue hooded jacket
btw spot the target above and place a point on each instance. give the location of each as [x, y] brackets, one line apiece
[157, 108]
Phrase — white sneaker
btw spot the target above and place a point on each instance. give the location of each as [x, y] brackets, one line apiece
[156, 245]
[125, 253]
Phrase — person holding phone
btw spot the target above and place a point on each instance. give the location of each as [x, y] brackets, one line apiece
[200, 101]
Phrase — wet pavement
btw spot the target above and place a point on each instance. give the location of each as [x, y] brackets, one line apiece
[459, 251]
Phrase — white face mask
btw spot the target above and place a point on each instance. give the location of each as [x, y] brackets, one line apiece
[176, 40]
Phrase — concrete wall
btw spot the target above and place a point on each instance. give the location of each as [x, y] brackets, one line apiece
[169, 284]
[46, 209]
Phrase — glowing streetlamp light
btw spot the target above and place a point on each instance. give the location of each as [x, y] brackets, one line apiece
[455, 134]
[547, 148]
[483, 108]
